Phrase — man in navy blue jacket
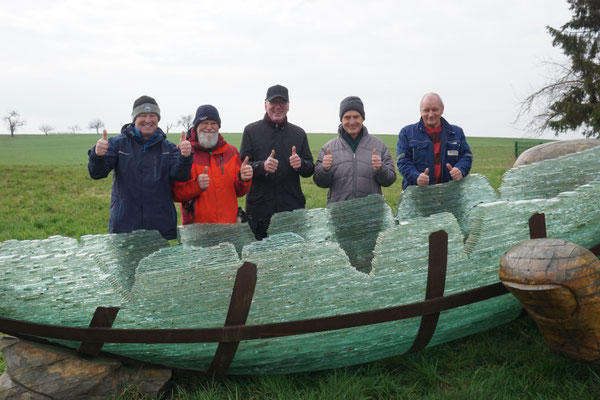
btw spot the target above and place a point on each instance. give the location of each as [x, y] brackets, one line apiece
[432, 151]
[144, 164]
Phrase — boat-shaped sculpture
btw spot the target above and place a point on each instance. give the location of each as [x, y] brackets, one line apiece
[331, 266]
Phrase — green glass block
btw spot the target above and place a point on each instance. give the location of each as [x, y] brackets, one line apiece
[458, 198]
[207, 235]
[548, 178]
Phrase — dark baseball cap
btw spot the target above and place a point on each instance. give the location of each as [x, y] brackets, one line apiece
[277, 91]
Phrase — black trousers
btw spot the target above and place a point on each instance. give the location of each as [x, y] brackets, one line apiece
[259, 227]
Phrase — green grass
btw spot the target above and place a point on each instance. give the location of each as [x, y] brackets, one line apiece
[46, 191]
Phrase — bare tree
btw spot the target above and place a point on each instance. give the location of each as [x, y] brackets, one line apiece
[169, 126]
[13, 121]
[74, 128]
[186, 121]
[96, 124]
[46, 128]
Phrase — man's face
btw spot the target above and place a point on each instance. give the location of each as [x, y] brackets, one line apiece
[352, 122]
[147, 124]
[277, 109]
[431, 111]
[207, 133]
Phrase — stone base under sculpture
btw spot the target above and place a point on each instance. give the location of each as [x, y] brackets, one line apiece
[38, 371]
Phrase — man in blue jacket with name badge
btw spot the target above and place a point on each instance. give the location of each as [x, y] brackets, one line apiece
[432, 151]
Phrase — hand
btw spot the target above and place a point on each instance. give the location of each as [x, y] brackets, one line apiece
[295, 161]
[203, 179]
[327, 160]
[271, 163]
[102, 145]
[376, 161]
[423, 179]
[246, 170]
[185, 146]
[455, 173]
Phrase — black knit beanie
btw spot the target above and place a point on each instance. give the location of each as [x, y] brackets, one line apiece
[145, 104]
[207, 112]
[352, 103]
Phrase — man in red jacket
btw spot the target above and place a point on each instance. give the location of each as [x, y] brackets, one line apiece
[218, 176]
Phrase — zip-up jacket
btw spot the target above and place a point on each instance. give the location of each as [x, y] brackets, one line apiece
[279, 191]
[415, 152]
[142, 175]
[218, 203]
[352, 174]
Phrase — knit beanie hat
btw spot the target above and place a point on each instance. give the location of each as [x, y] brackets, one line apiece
[207, 112]
[352, 103]
[145, 104]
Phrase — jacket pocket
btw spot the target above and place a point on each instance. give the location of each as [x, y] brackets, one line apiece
[421, 152]
[452, 151]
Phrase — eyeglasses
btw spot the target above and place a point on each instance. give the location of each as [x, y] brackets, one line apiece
[278, 101]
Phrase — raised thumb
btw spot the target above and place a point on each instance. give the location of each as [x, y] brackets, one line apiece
[426, 172]
[449, 166]
[272, 154]
[245, 161]
[374, 152]
[104, 134]
[328, 151]
[205, 170]
[293, 150]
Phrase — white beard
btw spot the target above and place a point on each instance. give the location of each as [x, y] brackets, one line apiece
[208, 141]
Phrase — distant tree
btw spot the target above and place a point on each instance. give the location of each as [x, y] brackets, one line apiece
[96, 124]
[169, 126]
[46, 128]
[74, 128]
[13, 121]
[572, 100]
[186, 121]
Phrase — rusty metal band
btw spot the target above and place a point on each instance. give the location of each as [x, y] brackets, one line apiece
[537, 226]
[236, 333]
[436, 281]
[237, 314]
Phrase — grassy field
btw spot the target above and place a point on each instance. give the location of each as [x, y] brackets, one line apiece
[46, 191]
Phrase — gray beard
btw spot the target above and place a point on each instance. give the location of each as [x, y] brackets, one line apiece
[207, 142]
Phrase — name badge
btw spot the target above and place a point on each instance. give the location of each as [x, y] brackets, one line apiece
[452, 153]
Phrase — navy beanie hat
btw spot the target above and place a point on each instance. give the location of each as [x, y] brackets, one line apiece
[352, 103]
[207, 112]
[143, 105]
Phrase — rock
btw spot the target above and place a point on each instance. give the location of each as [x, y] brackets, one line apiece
[549, 150]
[38, 371]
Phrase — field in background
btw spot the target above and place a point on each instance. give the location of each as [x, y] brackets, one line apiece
[46, 191]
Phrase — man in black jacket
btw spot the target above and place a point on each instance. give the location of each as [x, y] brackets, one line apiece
[279, 154]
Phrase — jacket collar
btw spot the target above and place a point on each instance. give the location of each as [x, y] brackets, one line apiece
[278, 125]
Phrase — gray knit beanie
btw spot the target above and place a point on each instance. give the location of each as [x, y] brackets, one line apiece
[352, 103]
[145, 104]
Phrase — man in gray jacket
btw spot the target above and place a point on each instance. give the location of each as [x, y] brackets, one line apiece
[354, 164]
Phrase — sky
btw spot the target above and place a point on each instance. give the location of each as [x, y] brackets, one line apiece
[67, 62]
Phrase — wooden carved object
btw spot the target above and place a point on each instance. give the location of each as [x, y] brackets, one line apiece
[558, 283]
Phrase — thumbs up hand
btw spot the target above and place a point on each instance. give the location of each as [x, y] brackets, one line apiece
[327, 160]
[455, 173]
[203, 179]
[246, 171]
[185, 146]
[423, 179]
[102, 145]
[376, 160]
[271, 163]
[295, 161]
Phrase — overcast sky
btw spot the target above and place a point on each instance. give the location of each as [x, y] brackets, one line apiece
[66, 62]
